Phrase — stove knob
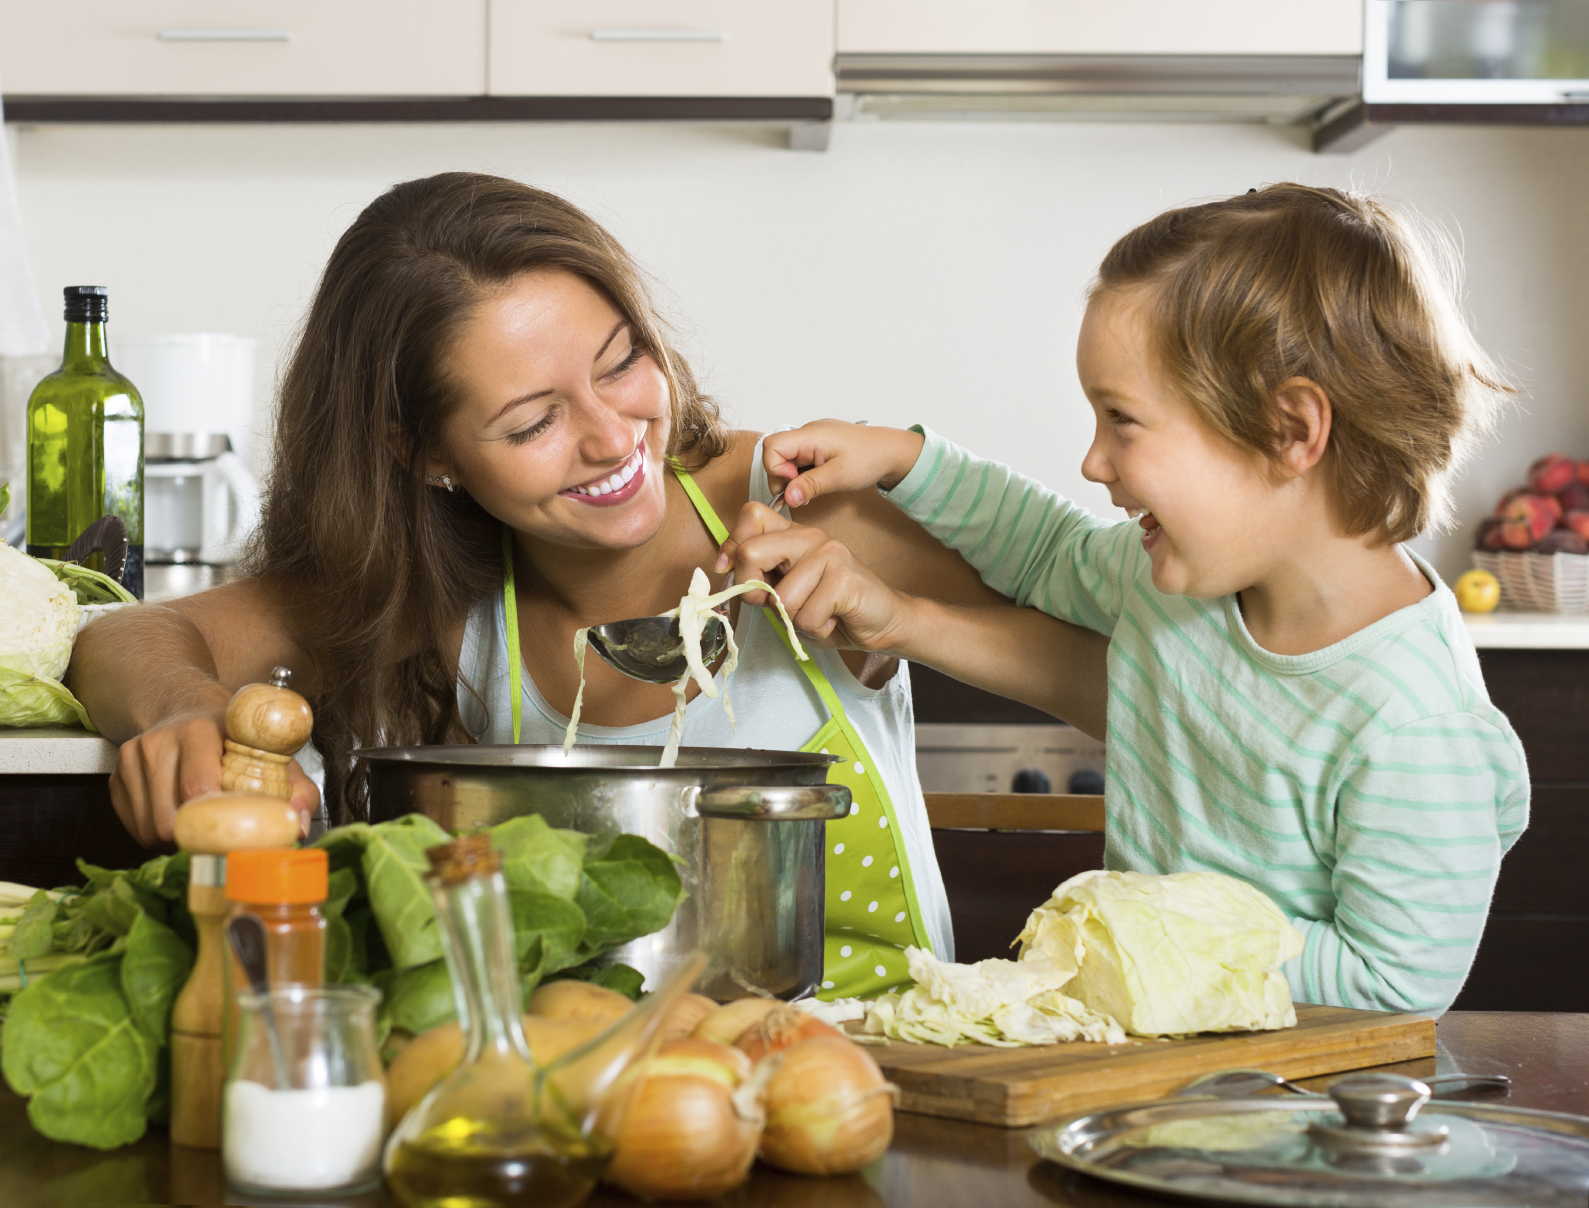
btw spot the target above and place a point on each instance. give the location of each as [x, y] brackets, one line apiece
[1031, 780]
[1085, 780]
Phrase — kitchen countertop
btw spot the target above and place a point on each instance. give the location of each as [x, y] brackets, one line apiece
[1529, 630]
[55, 751]
[932, 1163]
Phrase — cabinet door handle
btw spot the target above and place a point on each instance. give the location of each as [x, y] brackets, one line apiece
[657, 35]
[224, 35]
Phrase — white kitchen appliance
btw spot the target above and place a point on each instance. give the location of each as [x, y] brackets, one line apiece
[200, 501]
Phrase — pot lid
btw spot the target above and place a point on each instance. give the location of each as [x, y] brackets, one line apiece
[1375, 1141]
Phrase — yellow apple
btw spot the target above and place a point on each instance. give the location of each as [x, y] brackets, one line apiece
[1478, 591]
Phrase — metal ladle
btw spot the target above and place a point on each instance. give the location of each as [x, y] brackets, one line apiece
[650, 649]
[1243, 1084]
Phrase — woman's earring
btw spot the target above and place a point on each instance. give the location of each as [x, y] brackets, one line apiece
[444, 481]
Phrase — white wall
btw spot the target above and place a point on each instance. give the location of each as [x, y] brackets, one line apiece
[915, 272]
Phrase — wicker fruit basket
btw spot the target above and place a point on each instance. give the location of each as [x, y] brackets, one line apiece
[1533, 582]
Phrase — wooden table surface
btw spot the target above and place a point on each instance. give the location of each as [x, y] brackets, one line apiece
[933, 1163]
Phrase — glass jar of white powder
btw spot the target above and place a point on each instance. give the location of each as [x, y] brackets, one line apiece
[304, 1106]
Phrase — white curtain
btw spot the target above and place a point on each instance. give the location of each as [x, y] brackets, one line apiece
[22, 331]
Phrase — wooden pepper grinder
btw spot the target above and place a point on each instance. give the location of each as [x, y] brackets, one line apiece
[266, 724]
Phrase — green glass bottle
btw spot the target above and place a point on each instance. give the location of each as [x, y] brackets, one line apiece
[85, 444]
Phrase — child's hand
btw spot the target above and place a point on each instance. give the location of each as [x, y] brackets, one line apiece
[843, 457]
[829, 595]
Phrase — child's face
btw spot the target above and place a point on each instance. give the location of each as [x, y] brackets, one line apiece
[1211, 520]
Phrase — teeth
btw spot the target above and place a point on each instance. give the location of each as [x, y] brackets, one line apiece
[619, 478]
[626, 475]
[615, 482]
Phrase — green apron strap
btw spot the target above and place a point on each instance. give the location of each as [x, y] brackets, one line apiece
[510, 607]
[703, 508]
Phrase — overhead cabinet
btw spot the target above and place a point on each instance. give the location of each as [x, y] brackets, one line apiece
[625, 48]
[1086, 27]
[242, 48]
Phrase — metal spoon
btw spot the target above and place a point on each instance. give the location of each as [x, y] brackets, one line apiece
[1241, 1084]
[247, 934]
[650, 649]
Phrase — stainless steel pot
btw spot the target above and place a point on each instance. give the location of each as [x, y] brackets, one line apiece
[748, 826]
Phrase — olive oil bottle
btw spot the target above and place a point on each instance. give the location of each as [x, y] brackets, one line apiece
[85, 444]
[501, 1130]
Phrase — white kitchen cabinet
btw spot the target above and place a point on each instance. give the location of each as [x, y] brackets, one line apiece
[240, 48]
[1113, 27]
[684, 48]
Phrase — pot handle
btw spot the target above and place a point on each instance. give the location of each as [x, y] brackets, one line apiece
[784, 803]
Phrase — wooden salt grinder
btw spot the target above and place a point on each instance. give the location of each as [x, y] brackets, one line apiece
[265, 726]
[273, 721]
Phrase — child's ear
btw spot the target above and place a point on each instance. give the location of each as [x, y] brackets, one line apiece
[1304, 424]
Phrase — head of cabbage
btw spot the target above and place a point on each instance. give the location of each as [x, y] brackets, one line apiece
[38, 624]
[1170, 955]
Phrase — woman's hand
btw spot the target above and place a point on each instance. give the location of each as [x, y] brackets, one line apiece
[843, 457]
[828, 594]
[158, 770]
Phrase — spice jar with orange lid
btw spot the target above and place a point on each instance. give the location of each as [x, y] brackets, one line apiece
[286, 888]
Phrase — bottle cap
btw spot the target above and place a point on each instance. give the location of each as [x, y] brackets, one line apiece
[87, 303]
[290, 876]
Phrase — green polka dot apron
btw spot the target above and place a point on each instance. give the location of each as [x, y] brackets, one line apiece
[871, 909]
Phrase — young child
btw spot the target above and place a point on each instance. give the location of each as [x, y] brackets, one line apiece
[1281, 384]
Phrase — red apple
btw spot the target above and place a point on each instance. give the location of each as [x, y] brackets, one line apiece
[1577, 521]
[1564, 541]
[1574, 497]
[1500, 506]
[1515, 534]
[1489, 535]
[1538, 512]
[1583, 471]
[1551, 473]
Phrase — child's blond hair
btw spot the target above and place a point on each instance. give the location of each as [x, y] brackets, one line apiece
[1294, 281]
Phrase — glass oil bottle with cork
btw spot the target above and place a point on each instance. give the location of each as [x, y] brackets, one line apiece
[501, 1131]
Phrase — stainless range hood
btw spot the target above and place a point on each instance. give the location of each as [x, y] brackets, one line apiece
[1194, 88]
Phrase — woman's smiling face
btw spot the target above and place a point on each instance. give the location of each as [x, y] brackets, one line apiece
[563, 420]
[1207, 507]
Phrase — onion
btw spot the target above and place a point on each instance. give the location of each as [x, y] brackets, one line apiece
[829, 1109]
[728, 1023]
[780, 1028]
[691, 1129]
[686, 1015]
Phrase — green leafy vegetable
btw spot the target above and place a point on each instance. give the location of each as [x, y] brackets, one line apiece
[72, 1046]
[35, 930]
[27, 701]
[90, 586]
[417, 999]
[155, 964]
[627, 981]
[629, 890]
[1170, 955]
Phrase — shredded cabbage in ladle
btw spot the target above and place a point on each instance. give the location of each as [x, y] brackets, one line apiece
[694, 609]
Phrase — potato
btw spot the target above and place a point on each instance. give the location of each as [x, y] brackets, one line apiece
[579, 1000]
[429, 1057]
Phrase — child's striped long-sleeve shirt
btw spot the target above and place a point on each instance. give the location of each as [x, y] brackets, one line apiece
[1370, 788]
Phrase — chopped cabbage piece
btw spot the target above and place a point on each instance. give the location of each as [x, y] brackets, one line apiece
[993, 1002]
[1170, 955]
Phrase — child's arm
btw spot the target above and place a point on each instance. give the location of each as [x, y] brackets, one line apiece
[1026, 541]
[836, 600]
[1423, 815]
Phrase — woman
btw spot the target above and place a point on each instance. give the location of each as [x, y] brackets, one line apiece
[483, 407]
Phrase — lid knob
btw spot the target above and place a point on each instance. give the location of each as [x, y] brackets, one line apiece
[1381, 1102]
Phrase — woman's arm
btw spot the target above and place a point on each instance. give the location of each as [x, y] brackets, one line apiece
[157, 679]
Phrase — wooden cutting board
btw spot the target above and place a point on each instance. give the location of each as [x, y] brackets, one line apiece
[1018, 1087]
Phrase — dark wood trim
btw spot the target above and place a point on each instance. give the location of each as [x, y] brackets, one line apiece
[1015, 811]
[421, 109]
[1481, 115]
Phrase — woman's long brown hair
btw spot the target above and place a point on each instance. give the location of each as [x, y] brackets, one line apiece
[375, 565]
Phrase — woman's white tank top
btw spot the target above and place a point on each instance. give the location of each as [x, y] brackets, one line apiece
[775, 705]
